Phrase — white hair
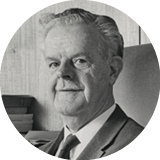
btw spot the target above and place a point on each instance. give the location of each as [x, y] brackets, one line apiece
[112, 40]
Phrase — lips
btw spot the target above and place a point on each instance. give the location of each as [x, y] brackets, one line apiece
[70, 90]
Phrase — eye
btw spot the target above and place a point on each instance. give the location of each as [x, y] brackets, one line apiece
[81, 61]
[81, 64]
[54, 65]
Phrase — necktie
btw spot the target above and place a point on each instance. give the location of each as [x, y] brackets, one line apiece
[70, 142]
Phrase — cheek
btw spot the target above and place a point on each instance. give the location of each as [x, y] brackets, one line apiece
[93, 76]
[94, 81]
[51, 85]
[88, 79]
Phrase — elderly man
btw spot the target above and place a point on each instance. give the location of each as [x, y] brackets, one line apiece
[84, 54]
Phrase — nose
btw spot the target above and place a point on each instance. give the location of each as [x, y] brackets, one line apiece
[65, 70]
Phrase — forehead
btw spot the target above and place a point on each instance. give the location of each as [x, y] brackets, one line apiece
[72, 39]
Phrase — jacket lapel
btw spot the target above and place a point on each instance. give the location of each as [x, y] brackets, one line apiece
[105, 136]
[100, 142]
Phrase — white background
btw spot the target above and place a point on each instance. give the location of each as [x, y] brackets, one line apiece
[14, 13]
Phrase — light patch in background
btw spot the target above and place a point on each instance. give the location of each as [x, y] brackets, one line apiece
[15, 13]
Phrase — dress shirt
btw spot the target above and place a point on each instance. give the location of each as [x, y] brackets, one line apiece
[86, 133]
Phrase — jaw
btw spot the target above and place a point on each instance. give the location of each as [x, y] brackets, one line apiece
[69, 103]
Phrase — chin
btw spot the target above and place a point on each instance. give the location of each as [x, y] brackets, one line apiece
[68, 109]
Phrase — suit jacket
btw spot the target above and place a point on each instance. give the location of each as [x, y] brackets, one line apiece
[117, 132]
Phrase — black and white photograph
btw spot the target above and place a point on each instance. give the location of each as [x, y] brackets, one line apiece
[80, 80]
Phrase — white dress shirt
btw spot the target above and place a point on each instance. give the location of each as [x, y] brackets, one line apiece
[86, 133]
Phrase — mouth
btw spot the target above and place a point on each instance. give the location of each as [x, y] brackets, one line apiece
[70, 90]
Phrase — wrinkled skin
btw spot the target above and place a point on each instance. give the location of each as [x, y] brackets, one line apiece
[81, 80]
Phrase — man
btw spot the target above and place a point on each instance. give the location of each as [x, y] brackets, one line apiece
[84, 54]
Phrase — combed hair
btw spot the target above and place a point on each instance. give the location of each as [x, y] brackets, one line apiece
[111, 38]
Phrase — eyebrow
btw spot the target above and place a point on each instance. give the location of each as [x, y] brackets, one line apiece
[78, 54]
[50, 58]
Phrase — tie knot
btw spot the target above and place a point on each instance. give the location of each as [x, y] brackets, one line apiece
[70, 142]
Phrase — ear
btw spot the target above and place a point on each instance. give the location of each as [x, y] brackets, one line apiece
[116, 66]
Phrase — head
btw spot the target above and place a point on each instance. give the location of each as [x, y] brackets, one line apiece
[84, 54]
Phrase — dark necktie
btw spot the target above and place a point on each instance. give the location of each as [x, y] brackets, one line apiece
[70, 142]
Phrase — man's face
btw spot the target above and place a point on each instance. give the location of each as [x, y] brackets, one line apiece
[79, 80]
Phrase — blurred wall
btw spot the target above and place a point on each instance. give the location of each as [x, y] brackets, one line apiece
[23, 69]
[137, 88]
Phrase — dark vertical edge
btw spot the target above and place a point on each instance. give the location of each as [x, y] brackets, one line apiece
[139, 35]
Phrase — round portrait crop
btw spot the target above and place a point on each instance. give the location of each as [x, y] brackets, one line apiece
[78, 83]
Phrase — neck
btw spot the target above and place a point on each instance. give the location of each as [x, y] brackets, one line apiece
[75, 123]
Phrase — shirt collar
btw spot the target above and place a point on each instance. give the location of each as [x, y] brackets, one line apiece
[91, 128]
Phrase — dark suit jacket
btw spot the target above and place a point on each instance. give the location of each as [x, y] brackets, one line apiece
[117, 132]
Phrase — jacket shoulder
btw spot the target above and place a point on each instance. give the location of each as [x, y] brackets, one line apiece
[132, 126]
[126, 135]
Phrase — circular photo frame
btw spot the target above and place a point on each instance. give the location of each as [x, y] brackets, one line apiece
[82, 68]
